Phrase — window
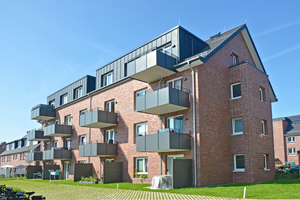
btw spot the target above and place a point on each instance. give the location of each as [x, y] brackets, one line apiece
[263, 127]
[235, 90]
[7, 147]
[63, 99]
[239, 163]
[55, 144]
[83, 139]
[110, 136]
[81, 161]
[292, 151]
[175, 124]
[83, 112]
[78, 92]
[109, 160]
[19, 144]
[237, 126]
[107, 79]
[261, 94]
[68, 120]
[68, 143]
[21, 156]
[142, 129]
[291, 139]
[141, 165]
[266, 159]
[175, 83]
[110, 106]
[141, 92]
[52, 103]
[234, 59]
[48, 146]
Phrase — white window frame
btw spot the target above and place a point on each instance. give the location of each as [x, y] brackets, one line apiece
[68, 120]
[233, 126]
[261, 94]
[52, 103]
[66, 142]
[144, 164]
[55, 142]
[82, 112]
[173, 82]
[141, 92]
[293, 151]
[234, 59]
[231, 87]
[109, 78]
[292, 140]
[240, 169]
[263, 127]
[81, 137]
[146, 128]
[266, 163]
[82, 161]
[175, 117]
[78, 93]
[108, 105]
[108, 138]
[64, 99]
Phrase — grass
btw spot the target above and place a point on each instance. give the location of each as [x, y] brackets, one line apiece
[276, 189]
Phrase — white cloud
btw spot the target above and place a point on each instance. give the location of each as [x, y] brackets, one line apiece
[283, 52]
[278, 28]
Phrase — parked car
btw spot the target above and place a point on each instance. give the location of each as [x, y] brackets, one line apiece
[294, 169]
[279, 171]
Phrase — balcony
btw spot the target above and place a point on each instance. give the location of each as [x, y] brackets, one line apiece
[98, 119]
[163, 101]
[57, 154]
[43, 112]
[163, 141]
[98, 150]
[34, 156]
[58, 130]
[152, 66]
[37, 135]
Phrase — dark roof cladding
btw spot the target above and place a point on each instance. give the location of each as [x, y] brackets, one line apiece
[293, 127]
[20, 150]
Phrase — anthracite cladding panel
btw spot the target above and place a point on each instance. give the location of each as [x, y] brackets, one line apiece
[87, 83]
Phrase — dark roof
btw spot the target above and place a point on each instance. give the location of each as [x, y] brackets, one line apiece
[20, 150]
[293, 127]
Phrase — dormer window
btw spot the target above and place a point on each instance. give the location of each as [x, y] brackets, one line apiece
[63, 99]
[107, 79]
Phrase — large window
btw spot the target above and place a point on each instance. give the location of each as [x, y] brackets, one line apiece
[142, 129]
[107, 79]
[141, 165]
[110, 136]
[237, 126]
[239, 163]
[175, 124]
[78, 92]
[175, 83]
[291, 139]
[110, 106]
[292, 151]
[68, 120]
[236, 91]
[63, 99]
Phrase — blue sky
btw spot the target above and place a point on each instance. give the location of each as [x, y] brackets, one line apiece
[46, 45]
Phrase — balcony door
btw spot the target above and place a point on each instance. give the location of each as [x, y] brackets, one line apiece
[170, 162]
[110, 106]
[175, 83]
[110, 136]
[175, 124]
[68, 143]
[66, 170]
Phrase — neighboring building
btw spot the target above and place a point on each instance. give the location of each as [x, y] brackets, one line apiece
[15, 152]
[142, 112]
[2, 147]
[286, 139]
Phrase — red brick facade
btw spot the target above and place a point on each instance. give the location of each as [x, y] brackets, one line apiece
[215, 144]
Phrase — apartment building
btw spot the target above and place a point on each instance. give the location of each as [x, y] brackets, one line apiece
[197, 110]
[15, 152]
[286, 139]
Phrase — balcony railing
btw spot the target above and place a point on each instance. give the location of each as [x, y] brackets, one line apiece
[163, 100]
[97, 118]
[96, 149]
[164, 140]
[58, 130]
[152, 66]
[34, 156]
[57, 154]
[43, 112]
[37, 135]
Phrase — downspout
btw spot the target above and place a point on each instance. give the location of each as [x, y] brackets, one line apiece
[194, 125]
[159, 125]
[90, 106]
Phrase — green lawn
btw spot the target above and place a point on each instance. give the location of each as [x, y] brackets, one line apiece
[277, 189]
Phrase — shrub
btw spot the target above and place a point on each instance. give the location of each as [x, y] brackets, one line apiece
[82, 178]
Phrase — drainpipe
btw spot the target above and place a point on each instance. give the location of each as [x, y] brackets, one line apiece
[90, 106]
[194, 125]
[159, 125]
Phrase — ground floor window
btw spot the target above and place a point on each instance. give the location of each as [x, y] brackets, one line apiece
[141, 166]
[239, 163]
[266, 159]
[292, 151]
